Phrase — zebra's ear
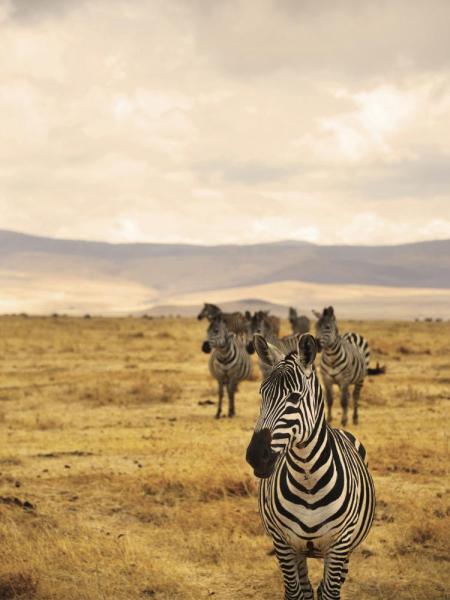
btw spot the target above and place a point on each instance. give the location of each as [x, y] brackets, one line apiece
[268, 353]
[316, 313]
[307, 350]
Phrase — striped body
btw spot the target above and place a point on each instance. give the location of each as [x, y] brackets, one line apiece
[344, 362]
[316, 495]
[347, 360]
[229, 362]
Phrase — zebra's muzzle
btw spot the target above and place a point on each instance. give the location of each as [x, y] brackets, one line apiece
[260, 455]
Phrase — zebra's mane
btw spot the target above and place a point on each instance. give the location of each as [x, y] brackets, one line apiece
[286, 369]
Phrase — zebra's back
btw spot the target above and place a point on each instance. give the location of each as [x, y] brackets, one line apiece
[348, 362]
[361, 344]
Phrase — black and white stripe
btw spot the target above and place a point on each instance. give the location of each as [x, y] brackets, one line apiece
[229, 362]
[344, 362]
[316, 495]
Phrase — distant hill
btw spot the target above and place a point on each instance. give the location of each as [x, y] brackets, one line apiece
[192, 310]
[40, 274]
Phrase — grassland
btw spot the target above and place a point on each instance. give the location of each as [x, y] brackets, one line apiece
[117, 483]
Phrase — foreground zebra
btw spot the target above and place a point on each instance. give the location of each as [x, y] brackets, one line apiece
[316, 495]
[299, 324]
[235, 321]
[229, 362]
[344, 361]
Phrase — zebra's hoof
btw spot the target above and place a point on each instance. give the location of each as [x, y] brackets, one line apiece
[344, 422]
[230, 415]
[355, 420]
[217, 417]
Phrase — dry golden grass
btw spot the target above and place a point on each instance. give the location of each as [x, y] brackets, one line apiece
[116, 483]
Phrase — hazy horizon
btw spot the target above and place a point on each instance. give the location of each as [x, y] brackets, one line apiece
[206, 245]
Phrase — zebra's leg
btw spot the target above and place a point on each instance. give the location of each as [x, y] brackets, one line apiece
[305, 584]
[344, 403]
[231, 390]
[356, 394]
[335, 572]
[329, 397]
[219, 404]
[289, 565]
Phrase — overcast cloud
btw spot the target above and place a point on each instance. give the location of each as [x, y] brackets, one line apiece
[225, 121]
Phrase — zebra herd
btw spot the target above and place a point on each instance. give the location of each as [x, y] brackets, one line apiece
[316, 495]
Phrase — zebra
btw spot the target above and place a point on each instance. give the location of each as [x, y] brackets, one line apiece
[235, 321]
[299, 324]
[316, 495]
[229, 362]
[344, 361]
[261, 320]
[263, 326]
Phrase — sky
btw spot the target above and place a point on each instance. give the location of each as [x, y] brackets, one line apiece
[226, 121]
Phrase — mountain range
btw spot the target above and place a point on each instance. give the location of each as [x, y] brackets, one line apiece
[40, 274]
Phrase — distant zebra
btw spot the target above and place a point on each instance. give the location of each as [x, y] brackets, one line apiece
[299, 324]
[262, 320]
[235, 321]
[316, 495]
[344, 361]
[263, 326]
[229, 362]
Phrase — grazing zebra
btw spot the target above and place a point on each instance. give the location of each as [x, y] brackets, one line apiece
[229, 362]
[299, 324]
[235, 322]
[344, 361]
[316, 495]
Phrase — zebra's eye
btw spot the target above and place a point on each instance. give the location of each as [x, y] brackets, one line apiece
[295, 398]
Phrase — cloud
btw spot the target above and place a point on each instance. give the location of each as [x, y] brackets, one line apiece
[225, 122]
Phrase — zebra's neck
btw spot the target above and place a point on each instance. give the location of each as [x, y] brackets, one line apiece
[335, 349]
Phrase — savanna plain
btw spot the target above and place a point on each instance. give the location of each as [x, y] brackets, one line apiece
[116, 482]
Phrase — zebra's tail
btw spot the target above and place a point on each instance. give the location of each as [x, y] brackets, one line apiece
[378, 370]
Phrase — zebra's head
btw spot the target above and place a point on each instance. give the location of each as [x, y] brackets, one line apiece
[326, 327]
[260, 323]
[209, 311]
[217, 333]
[288, 403]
